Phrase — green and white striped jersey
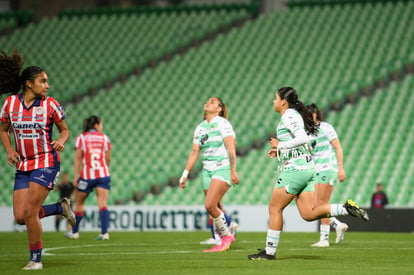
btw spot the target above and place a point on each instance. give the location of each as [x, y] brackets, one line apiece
[291, 127]
[210, 136]
[321, 149]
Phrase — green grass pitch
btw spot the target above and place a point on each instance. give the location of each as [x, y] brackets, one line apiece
[181, 253]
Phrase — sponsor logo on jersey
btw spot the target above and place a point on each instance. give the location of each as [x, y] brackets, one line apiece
[28, 136]
[26, 125]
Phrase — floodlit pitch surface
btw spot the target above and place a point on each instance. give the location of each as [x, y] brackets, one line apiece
[181, 253]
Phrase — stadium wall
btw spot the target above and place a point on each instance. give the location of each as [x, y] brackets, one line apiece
[171, 218]
[384, 220]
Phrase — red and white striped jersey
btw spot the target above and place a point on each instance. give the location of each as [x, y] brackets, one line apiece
[94, 146]
[32, 130]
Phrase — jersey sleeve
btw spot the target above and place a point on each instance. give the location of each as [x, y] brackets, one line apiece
[195, 137]
[330, 132]
[57, 113]
[107, 145]
[4, 113]
[78, 142]
[293, 123]
[226, 129]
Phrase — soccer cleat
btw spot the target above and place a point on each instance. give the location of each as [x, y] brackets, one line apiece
[72, 236]
[233, 228]
[33, 266]
[217, 248]
[67, 211]
[356, 211]
[261, 256]
[340, 231]
[321, 243]
[211, 241]
[225, 244]
[226, 241]
[103, 237]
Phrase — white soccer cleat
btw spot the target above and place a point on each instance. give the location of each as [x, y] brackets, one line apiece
[233, 228]
[33, 266]
[103, 237]
[323, 243]
[210, 241]
[72, 236]
[340, 232]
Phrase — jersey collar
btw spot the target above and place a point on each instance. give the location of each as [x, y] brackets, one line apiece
[35, 103]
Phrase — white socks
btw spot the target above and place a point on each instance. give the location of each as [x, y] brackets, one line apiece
[334, 222]
[338, 210]
[272, 241]
[221, 225]
[324, 231]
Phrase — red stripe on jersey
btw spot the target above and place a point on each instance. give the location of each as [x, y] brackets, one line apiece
[94, 146]
[32, 130]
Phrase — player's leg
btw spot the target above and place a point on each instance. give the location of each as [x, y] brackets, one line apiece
[35, 198]
[215, 193]
[322, 194]
[20, 191]
[102, 198]
[309, 212]
[278, 201]
[80, 197]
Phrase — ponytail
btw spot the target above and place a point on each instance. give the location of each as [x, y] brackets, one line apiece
[10, 67]
[223, 112]
[291, 96]
[315, 110]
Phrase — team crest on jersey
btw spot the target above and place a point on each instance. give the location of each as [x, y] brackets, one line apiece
[204, 139]
[39, 110]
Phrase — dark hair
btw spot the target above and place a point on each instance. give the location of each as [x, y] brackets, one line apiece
[10, 79]
[291, 96]
[315, 110]
[90, 122]
[223, 106]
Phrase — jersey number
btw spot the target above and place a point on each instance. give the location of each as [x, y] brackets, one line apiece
[95, 161]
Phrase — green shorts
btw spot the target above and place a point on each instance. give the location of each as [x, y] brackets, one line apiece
[222, 174]
[327, 176]
[296, 182]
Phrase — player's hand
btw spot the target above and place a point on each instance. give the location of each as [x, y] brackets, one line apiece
[341, 175]
[13, 158]
[235, 178]
[58, 146]
[183, 178]
[274, 142]
[183, 181]
[272, 153]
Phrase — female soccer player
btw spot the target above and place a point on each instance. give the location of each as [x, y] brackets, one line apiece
[329, 169]
[93, 151]
[216, 139]
[31, 115]
[296, 180]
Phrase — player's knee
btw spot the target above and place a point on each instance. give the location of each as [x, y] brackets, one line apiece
[19, 220]
[308, 217]
[210, 207]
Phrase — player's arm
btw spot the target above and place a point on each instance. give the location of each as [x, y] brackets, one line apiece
[339, 159]
[230, 144]
[12, 155]
[192, 159]
[108, 157]
[77, 164]
[58, 144]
